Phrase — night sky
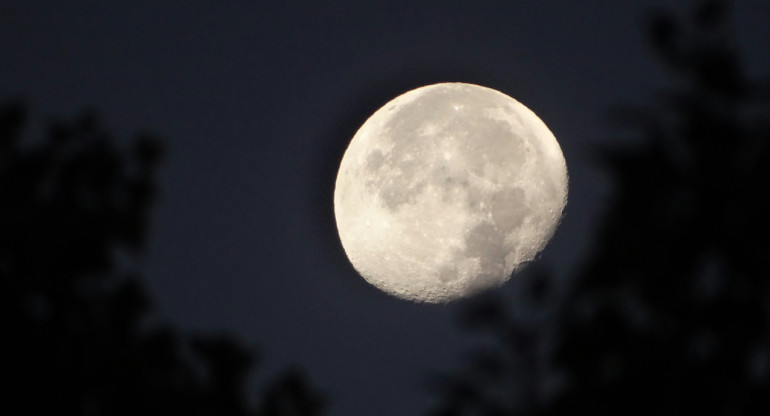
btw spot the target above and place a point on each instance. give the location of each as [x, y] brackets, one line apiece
[257, 101]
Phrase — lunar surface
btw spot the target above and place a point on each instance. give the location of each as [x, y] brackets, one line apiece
[446, 189]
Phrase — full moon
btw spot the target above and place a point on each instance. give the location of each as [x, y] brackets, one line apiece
[446, 189]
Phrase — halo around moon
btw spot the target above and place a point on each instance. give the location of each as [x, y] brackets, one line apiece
[446, 189]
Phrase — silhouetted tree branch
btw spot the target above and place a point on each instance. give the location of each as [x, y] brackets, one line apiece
[670, 313]
[74, 316]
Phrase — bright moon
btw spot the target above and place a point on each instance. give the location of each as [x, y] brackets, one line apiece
[446, 189]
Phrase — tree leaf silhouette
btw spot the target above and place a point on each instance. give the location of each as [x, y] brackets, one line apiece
[669, 313]
[75, 316]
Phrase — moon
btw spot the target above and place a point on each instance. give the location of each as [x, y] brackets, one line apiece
[446, 189]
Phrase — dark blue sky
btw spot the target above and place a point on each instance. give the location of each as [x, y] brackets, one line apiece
[257, 101]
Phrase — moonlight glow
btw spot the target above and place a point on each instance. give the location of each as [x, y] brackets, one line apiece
[446, 189]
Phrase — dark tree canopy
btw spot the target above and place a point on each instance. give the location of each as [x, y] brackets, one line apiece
[74, 214]
[670, 314]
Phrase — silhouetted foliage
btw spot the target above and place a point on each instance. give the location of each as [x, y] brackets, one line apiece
[669, 315]
[74, 211]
